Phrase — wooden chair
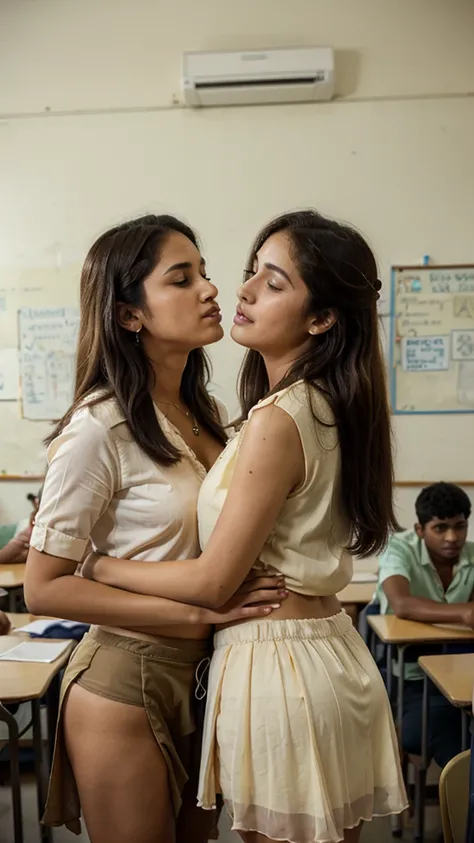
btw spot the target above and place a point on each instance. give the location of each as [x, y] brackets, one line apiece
[454, 797]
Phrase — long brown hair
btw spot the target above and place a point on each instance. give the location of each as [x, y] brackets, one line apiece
[345, 364]
[109, 360]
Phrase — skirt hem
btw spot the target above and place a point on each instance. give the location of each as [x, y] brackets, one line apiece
[375, 816]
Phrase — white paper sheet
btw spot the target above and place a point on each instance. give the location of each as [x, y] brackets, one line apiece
[40, 627]
[30, 651]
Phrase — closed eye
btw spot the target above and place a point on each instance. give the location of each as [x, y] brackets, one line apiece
[249, 273]
[185, 282]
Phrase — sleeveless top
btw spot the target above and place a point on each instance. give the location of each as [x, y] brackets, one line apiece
[307, 543]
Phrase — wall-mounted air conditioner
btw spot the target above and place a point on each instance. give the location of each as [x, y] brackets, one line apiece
[302, 74]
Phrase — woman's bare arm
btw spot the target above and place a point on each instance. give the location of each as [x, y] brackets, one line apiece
[270, 464]
[51, 588]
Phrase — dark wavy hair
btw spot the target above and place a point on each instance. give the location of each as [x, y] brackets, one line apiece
[345, 364]
[109, 361]
[441, 500]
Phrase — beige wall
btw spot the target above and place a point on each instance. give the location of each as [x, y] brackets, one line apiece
[89, 135]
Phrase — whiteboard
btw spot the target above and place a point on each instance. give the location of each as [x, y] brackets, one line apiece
[432, 339]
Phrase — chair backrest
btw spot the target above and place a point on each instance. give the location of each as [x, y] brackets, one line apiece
[364, 628]
[454, 797]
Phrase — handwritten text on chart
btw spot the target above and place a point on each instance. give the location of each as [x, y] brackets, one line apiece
[437, 281]
[48, 338]
[449, 281]
[425, 354]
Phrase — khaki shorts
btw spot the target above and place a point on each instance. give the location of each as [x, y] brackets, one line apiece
[159, 677]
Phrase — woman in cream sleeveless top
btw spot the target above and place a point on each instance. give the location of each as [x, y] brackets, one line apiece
[298, 732]
[298, 736]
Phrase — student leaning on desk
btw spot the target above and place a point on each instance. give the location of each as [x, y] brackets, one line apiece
[14, 544]
[15, 538]
[427, 574]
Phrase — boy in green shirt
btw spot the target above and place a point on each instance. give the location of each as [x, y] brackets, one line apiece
[427, 574]
[14, 545]
[13, 549]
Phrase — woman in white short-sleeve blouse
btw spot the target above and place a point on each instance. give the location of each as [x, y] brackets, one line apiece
[125, 468]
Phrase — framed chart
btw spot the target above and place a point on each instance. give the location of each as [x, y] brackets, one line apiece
[432, 339]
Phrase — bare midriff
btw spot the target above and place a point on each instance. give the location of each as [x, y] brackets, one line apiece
[300, 607]
[196, 632]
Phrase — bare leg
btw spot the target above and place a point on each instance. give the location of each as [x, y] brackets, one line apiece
[120, 771]
[351, 835]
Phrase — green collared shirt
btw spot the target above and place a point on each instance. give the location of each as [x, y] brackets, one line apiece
[7, 533]
[406, 556]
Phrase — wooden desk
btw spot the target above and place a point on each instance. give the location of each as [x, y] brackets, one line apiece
[20, 681]
[355, 596]
[12, 578]
[29, 682]
[357, 592]
[453, 675]
[393, 631]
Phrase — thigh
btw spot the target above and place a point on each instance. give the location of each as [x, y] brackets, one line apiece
[121, 774]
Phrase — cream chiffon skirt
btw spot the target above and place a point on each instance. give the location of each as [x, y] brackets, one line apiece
[299, 735]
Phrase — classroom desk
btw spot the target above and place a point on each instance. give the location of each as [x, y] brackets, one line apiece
[453, 675]
[401, 634]
[393, 631]
[29, 682]
[359, 593]
[355, 596]
[11, 579]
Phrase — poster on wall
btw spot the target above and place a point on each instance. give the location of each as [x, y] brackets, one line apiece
[432, 339]
[48, 340]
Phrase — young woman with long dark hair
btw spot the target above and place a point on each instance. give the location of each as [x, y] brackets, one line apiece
[125, 467]
[299, 736]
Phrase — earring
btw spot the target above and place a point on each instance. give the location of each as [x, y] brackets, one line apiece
[313, 332]
[137, 335]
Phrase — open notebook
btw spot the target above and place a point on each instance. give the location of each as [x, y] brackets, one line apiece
[29, 651]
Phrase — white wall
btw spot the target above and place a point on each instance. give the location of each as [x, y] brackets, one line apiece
[89, 135]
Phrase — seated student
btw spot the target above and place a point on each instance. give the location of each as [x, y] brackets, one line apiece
[427, 574]
[15, 538]
[4, 624]
[13, 544]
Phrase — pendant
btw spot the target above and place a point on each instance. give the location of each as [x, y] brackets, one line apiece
[195, 429]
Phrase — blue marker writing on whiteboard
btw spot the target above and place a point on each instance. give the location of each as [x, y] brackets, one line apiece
[426, 260]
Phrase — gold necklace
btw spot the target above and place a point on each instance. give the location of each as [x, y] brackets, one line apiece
[186, 413]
